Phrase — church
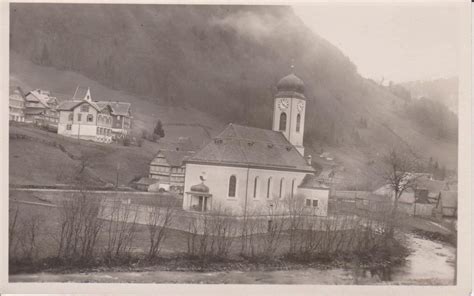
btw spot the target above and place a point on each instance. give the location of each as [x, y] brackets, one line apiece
[247, 170]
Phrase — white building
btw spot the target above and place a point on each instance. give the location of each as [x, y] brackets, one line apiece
[247, 170]
[17, 104]
[85, 119]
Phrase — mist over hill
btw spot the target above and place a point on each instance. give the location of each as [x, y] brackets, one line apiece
[442, 90]
[225, 61]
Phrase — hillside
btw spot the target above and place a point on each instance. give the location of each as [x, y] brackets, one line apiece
[443, 90]
[178, 121]
[209, 65]
[38, 157]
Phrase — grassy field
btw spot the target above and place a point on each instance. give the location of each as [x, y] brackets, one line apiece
[270, 249]
[43, 158]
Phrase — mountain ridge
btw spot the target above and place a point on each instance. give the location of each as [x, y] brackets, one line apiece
[224, 61]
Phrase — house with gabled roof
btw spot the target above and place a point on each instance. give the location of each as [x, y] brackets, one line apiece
[121, 118]
[168, 167]
[84, 119]
[41, 108]
[247, 170]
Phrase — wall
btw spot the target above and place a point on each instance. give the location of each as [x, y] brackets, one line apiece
[217, 179]
[321, 195]
[419, 209]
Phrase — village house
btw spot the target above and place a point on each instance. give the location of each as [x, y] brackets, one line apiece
[84, 119]
[246, 169]
[168, 167]
[41, 108]
[17, 104]
[421, 199]
[121, 118]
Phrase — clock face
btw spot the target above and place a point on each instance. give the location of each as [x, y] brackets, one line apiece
[300, 106]
[284, 103]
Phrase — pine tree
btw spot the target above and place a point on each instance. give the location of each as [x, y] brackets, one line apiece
[44, 60]
[159, 129]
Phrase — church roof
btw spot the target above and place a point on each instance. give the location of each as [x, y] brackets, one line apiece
[290, 86]
[239, 145]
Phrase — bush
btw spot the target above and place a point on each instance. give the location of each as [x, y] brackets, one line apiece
[126, 141]
[80, 225]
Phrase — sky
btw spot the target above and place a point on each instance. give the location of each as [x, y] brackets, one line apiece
[391, 41]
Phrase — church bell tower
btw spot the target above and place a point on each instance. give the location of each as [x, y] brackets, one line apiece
[289, 110]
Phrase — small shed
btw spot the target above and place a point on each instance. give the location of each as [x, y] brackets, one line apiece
[448, 203]
[147, 184]
[373, 203]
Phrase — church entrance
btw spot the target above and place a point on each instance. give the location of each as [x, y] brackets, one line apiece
[199, 198]
[202, 204]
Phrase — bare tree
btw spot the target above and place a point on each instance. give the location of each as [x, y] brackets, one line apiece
[158, 222]
[80, 224]
[296, 209]
[399, 175]
[121, 229]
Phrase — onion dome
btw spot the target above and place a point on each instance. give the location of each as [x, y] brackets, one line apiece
[291, 86]
[200, 188]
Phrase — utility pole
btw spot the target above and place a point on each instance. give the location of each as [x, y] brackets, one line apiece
[79, 133]
[117, 180]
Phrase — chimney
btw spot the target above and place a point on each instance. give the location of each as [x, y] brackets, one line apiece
[309, 159]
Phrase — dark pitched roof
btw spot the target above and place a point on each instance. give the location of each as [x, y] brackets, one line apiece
[312, 182]
[176, 158]
[80, 93]
[69, 105]
[249, 146]
[38, 95]
[118, 108]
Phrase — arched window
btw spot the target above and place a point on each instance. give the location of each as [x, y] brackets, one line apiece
[255, 186]
[281, 187]
[232, 185]
[282, 121]
[269, 186]
[293, 187]
[298, 122]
